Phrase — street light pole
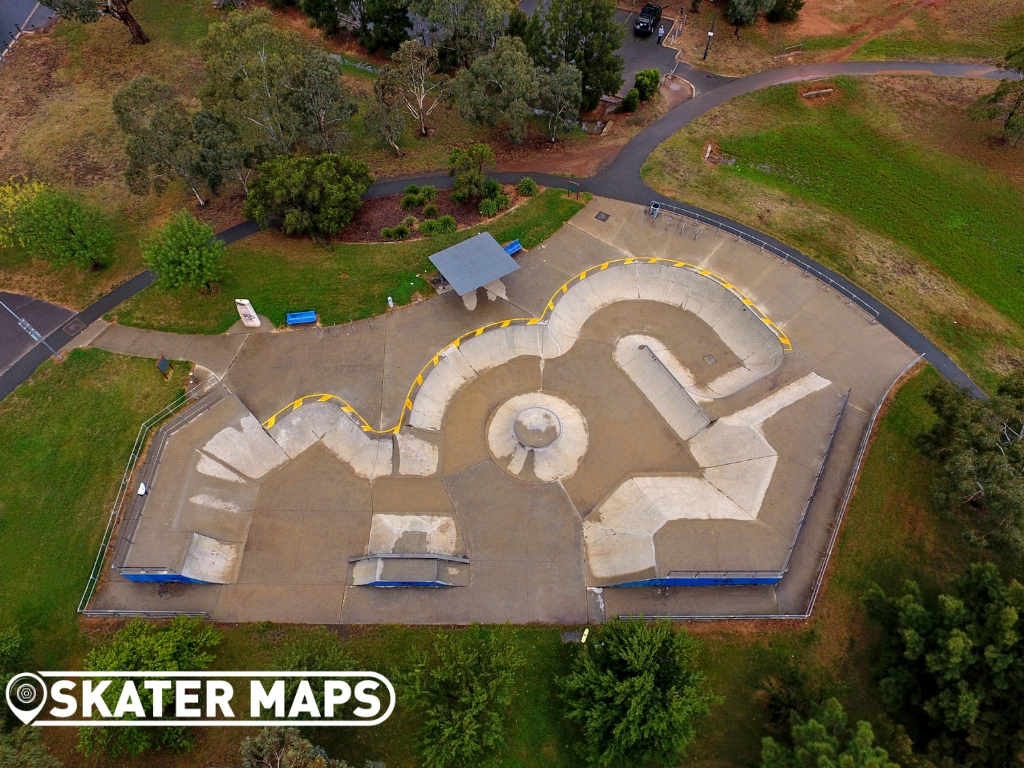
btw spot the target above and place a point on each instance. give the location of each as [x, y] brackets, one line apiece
[711, 34]
[27, 328]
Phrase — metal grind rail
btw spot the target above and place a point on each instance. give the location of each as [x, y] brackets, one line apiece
[836, 526]
[128, 486]
[655, 208]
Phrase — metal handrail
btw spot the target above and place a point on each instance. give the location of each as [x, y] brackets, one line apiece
[124, 489]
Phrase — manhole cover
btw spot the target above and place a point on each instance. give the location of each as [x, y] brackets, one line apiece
[73, 327]
[602, 216]
[710, 359]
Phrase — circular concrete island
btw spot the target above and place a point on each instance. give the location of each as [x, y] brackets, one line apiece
[536, 427]
[538, 437]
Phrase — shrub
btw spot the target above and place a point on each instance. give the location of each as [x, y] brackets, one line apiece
[387, 233]
[784, 10]
[463, 691]
[447, 224]
[143, 647]
[311, 195]
[430, 227]
[488, 207]
[526, 187]
[648, 80]
[184, 252]
[14, 194]
[492, 188]
[429, 192]
[631, 681]
[400, 232]
[412, 189]
[503, 201]
[411, 222]
[466, 166]
[55, 226]
[411, 201]
[430, 210]
[631, 101]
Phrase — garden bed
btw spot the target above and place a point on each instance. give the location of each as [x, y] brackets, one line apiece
[380, 212]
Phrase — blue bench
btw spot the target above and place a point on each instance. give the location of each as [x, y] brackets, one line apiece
[297, 318]
[514, 247]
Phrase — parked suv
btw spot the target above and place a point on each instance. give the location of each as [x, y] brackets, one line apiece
[648, 19]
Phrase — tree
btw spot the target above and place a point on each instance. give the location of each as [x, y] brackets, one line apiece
[825, 741]
[21, 748]
[561, 94]
[322, 14]
[647, 82]
[221, 151]
[499, 88]
[463, 691]
[286, 748]
[160, 139]
[311, 195]
[637, 692]
[742, 13]
[384, 24]
[14, 194]
[466, 166]
[784, 10]
[318, 650]
[586, 34]
[12, 656]
[143, 647]
[56, 227]
[461, 30]
[324, 106]
[1006, 102]
[978, 445]
[958, 662]
[184, 252]
[273, 88]
[413, 70]
[89, 11]
[385, 116]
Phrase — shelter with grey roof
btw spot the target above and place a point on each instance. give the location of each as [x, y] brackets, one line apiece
[479, 262]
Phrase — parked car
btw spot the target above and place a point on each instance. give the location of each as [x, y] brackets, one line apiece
[648, 20]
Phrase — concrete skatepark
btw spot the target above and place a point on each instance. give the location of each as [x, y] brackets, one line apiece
[651, 411]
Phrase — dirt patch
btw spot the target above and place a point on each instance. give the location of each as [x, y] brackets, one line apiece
[34, 60]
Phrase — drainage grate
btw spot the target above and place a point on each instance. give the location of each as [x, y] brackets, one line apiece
[602, 216]
[73, 327]
[710, 359]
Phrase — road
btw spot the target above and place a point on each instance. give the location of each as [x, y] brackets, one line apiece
[24, 14]
[621, 181]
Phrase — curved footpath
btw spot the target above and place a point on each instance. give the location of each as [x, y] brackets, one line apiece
[622, 181]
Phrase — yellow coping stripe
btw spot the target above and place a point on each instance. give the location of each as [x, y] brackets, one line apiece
[418, 381]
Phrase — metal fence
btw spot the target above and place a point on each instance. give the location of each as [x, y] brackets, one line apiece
[833, 535]
[198, 396]
[655, 209]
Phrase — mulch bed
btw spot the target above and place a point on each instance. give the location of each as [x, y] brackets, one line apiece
[380, 212]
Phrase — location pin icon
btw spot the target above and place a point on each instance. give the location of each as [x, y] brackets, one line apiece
[26, 696]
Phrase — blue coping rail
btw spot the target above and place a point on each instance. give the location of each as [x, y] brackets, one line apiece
[142, 575]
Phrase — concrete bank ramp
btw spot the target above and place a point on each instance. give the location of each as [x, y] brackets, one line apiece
[753, 342]
[737, 465]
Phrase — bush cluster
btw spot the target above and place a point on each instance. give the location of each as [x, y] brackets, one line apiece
[631, 101]
[416, 196]
[443, 226]
[526, 187]
[495, 199]
[647, 82]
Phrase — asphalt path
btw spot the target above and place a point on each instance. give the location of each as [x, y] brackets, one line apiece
[621, 181]
[20, 14]
[643, 52]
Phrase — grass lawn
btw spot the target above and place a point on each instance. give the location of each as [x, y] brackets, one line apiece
[341, 282]
[66, 435]
[868, 184]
